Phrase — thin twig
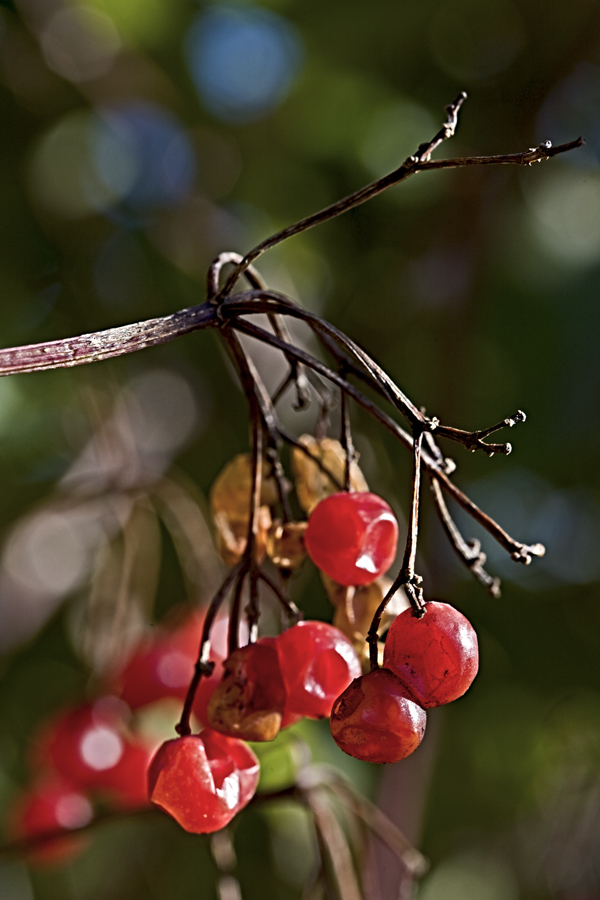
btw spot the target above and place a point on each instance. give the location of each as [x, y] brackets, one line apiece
[419, 162]
[288, 605]
[289, 439]
[355, 199]
[334, 842]
[470, 552]
[100, 345]
[406, 578]
[518, 551]
[233, 634]
[347, 443]
[204, 667]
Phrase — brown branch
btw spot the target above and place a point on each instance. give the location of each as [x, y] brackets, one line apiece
[470, 552]
[419, 162]
[408, 167]
[519, 552]
[204, 667]
[99, 345]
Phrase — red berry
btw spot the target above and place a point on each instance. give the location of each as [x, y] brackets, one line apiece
[164, 665]
[49, 806]
[374, 720]
[317, 663]
[126, 784]
[90, 746]
[249, 701]
[436, 656]
[203, 780]
[352, 537]
[85, 741]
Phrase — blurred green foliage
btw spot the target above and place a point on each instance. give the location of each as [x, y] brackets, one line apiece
[125, 166]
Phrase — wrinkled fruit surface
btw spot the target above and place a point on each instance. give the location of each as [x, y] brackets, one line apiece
[352, 537]
[317, 663]
[375, 721]
[203, 780]
[249, 701]
[436, 657]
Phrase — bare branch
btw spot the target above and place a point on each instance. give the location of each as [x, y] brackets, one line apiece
[99, 345]
[469, 551]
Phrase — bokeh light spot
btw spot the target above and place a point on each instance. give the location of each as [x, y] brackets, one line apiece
[161, 151]
[90, 162]
[147, 22]
[394, 133]
[101, 748]
[80, 43]
[50, 552]
[571, 109]
[473, 41]
[565, 207]
[73, 811]
[243, 60]
[63, 176]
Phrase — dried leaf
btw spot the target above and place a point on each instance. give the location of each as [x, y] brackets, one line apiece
[313, 483]
[285, 544]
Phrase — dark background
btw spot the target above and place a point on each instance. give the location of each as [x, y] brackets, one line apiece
[138, 140]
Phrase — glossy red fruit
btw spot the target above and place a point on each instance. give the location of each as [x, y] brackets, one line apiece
[352, 537]
[51, 805]
[436, 657]
[249, 701]
[317, 663]
[203, 780]
[374, 720]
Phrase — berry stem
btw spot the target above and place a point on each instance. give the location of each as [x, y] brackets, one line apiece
[203, 666]
[407, 577]
[518, 551]
[234, 613]
[347, 442]
[290, 608]
[469, 551]
[418, 162]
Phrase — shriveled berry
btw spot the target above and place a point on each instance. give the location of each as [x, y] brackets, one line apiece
[317, 662]
[375, 721]
[352, 537]
[203, 780]
[249, 701]
[436, 657]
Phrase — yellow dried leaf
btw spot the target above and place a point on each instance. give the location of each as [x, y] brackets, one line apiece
[231, 489]
[312, 484]
[230, 507]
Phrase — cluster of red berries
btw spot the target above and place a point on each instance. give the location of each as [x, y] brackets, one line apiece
[86, 755]
[204, 780]
[428, 661]
[91, 753]
[94, 754]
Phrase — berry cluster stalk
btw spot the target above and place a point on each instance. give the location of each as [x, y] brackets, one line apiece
[227, 312]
